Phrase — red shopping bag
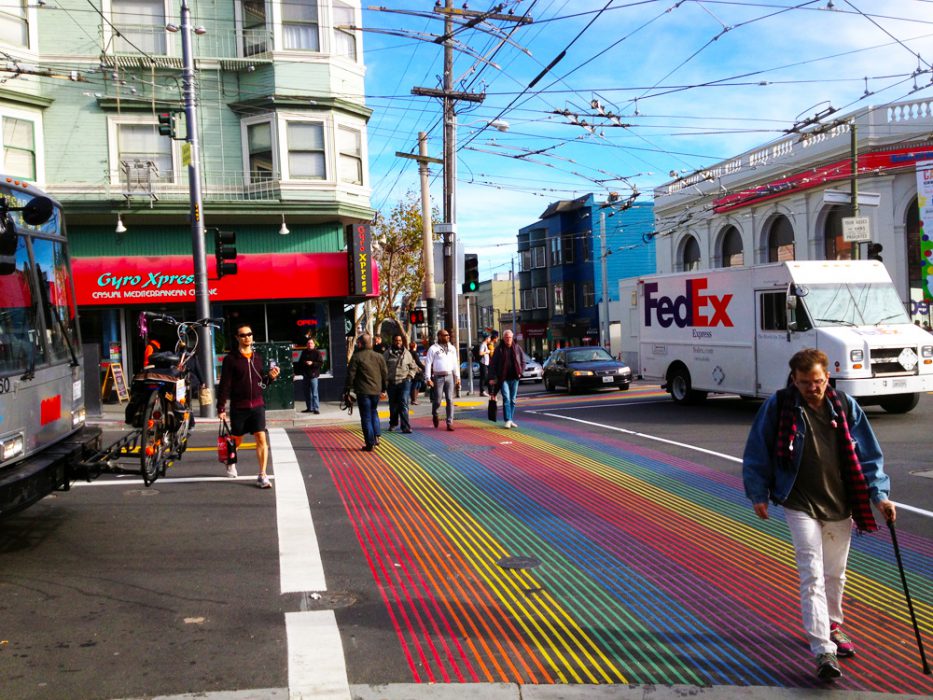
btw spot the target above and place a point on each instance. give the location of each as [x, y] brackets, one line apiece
[226, 445]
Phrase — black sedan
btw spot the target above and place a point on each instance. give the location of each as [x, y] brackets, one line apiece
[585, 368]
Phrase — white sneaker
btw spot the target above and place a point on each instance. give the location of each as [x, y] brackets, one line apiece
[263, 482]
[231, 471]
[513, 424]
[508, 424]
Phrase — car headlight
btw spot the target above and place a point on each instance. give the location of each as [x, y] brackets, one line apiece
[582, 373]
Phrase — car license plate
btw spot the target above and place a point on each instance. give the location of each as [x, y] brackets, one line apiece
[607, 380]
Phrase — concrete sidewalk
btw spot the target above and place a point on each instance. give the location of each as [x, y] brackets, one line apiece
[111, 417]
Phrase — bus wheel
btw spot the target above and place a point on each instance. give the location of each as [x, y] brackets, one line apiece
[900, 403]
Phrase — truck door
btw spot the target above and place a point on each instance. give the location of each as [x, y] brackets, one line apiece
[774, 346]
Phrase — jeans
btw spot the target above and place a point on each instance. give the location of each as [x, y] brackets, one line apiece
[821, 549]
[368, 406]
[398, 404]
[443, 385]
[509, 392]
[312, 403]
[483, 377]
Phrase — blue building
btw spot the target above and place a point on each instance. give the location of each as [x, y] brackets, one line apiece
[562, 260]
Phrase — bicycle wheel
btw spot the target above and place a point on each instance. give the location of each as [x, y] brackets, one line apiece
[152, 444]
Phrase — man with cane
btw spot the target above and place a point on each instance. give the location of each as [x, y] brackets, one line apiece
[812, 451]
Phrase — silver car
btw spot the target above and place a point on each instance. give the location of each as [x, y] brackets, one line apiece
[533, 371]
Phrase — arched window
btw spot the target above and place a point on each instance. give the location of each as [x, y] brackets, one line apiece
[835, 247]
[691, 255]
[781, 240]
[732, 252]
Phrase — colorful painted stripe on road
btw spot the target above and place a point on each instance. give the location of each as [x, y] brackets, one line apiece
[653, 568]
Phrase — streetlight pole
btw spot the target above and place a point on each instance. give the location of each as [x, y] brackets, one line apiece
[604, 321]
[193, 158]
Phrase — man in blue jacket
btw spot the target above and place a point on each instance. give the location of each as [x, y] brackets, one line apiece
[812, 451]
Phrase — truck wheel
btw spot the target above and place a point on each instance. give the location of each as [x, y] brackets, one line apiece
[900, 403]
[681, 388]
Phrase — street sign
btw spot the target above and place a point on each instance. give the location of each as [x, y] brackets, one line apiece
[445, 228]
[865, 199]
[855, 229]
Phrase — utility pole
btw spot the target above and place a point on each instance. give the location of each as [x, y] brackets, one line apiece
[514, 307]
[430, 296]
[603, 268]
[853, 187]
[193, 158]
[449, 99]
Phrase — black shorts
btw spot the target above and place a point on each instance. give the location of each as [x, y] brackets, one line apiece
[247, 420]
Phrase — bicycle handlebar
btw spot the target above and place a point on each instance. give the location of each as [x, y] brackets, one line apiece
[165, 318]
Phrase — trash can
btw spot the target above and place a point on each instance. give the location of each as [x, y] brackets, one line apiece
[280, 393]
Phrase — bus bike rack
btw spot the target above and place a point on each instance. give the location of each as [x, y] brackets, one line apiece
[107, 460]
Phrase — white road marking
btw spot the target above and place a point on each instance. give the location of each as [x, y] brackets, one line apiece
[301, 568]
[316, 666]
[687, 446]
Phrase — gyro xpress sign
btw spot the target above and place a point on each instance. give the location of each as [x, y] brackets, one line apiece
[359, 260]
[115, 286]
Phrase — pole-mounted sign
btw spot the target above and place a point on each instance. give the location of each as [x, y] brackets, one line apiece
[359, 259]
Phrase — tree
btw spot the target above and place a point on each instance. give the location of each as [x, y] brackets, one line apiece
[397, 249]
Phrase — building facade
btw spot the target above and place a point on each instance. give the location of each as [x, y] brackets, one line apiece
[571, 259]
[281, 123]
[788, 199]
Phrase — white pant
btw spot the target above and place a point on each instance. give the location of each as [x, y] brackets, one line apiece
[822, 550]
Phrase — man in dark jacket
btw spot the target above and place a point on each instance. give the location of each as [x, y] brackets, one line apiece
[309, 363]
[402, 369]
[508, 363]
[242, 380]
[368, 376]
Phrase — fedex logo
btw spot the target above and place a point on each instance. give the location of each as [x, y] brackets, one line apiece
[693, 308]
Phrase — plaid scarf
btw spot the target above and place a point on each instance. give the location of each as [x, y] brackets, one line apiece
[852, 476]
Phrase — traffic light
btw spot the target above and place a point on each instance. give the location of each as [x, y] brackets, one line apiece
[167, 124]
[416, 317]
[225, 252]
[874, 251]
[470, 273]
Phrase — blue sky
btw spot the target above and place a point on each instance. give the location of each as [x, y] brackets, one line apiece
[693, 81]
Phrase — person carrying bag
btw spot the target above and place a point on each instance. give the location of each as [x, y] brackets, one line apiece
[226, 445]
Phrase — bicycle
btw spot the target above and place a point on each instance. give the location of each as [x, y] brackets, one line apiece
[160, 397]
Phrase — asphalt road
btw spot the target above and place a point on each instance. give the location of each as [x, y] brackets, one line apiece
[114, 590]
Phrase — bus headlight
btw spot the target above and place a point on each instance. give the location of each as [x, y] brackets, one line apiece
[78, 417]
[11, 447]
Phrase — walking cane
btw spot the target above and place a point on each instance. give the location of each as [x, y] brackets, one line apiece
[910, 605]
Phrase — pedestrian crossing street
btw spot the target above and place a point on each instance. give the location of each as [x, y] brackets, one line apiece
[563, 554]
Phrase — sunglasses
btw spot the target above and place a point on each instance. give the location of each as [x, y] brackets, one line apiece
[245, 335]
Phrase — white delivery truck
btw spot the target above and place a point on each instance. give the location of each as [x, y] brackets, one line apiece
[732, 330]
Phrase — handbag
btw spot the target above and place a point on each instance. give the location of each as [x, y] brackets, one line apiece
[491, 409]
[226, 445]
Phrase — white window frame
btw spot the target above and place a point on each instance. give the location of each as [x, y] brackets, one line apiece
[558, 299]
[356, 22]
[113, 151]
[241, 31]
[110, 37]
[278, 29]
[539, 254]
[589, 295]
[32, 30]
[327, 139]
[276, 162]
[340, 154]
[37, 135]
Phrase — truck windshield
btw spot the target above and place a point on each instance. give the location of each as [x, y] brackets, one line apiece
[854, 304]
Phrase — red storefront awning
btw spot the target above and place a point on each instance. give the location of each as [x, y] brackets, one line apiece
[170, 279]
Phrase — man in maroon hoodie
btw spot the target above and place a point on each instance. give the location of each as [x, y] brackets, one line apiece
[242, 380]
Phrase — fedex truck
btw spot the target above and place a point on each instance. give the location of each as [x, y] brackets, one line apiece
[733, 330]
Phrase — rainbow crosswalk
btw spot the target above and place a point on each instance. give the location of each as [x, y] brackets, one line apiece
[653, 569]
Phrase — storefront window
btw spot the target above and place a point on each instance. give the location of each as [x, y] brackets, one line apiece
[284, 322]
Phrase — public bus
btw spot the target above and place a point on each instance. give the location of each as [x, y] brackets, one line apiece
[43, 436]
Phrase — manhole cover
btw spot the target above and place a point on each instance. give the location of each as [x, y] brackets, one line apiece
[141, 492]
[519, 563]
[469, 448]
[328, 600]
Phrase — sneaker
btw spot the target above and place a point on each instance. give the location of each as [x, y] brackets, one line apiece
[231, 471]
[845, 647]
[508, 425]
[262, 481]
[827, 667]
[391, 428]
[450, 427]
[513, 424]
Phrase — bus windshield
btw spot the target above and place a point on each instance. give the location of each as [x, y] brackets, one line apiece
[855, 304]
[38, 322]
